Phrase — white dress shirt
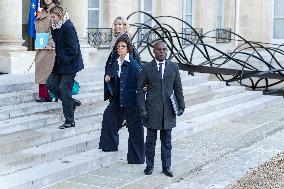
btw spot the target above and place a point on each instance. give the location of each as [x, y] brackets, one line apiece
[163, 66]
[126, 58]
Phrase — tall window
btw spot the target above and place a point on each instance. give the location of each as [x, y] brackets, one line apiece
[188, 11]
[146, 6]
[220, 14]
[94, 13]
[278, 20]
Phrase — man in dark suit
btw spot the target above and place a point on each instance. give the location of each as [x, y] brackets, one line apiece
[162, 78]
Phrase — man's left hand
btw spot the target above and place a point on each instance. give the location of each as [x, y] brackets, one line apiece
[180, 112]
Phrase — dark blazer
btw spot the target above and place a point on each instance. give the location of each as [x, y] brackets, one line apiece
[68, 58]
[112, 60]
[128, 82]
[157, 103]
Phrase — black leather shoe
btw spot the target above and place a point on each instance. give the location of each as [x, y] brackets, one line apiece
[168, 172]
[148, 171]
[76, 103]
[44, 100]
[67, 125]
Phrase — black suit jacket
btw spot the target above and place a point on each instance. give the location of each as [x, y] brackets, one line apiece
[157, 103]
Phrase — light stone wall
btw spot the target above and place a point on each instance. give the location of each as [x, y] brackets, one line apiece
[252, 19]
[255, 20]
[121, 8]
[229, 14]
[78, 12]
[208, 16]
[170, 8]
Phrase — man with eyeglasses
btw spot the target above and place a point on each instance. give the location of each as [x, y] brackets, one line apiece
[162, 79]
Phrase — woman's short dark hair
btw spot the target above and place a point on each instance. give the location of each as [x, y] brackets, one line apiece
[125, 40]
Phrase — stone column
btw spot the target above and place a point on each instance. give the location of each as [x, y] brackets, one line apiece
[11, 25]
[78, 12]
[14, 58]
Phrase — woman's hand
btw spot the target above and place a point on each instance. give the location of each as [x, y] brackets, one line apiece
[107, 78]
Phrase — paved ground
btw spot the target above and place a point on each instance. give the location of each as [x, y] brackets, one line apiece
[213, 158]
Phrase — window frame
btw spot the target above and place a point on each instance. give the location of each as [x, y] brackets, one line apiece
[220, 16]
[100, 9]
[141, 8]
[274, 40]
[184, 13]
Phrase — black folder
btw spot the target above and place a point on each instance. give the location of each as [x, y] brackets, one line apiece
[174, 103]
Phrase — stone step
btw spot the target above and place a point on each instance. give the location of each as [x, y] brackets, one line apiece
[203, 94]
[30, 157]
[54, 171]
[95, 109]
[49, 133]
[199, 123]
[13, 111]
[27, 122]
[23, 95]
[247, 151]
[15, 98]
[11, 83]
[203, 122]
[16, 82]
[207, 159]
[206, 96]
[91, 114]
[31, 126]
[226, 170]
[90, 97]
[219, 103]
[190, 112]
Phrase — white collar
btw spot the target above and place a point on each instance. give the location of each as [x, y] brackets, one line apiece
[126, 58]
[158, 62]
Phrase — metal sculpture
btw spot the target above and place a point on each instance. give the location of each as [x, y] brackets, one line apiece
[251, 64]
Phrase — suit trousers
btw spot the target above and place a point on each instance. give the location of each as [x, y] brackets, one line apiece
[61, 86]
[112, 122]
[166, 147]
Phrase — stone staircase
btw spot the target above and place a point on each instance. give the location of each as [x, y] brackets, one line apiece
[36, 154]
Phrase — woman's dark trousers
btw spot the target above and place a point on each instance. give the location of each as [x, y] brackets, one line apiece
[61, 86]
[112, 122]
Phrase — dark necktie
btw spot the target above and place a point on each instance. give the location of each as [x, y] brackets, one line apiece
[161, 70]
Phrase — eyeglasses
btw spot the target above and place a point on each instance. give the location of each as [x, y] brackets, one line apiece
[121, 46]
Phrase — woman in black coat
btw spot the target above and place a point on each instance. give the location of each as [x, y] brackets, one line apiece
[123, 105]
[120, 29]
[68, 62]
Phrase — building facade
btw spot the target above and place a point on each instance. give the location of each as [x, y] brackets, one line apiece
[255, 20]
